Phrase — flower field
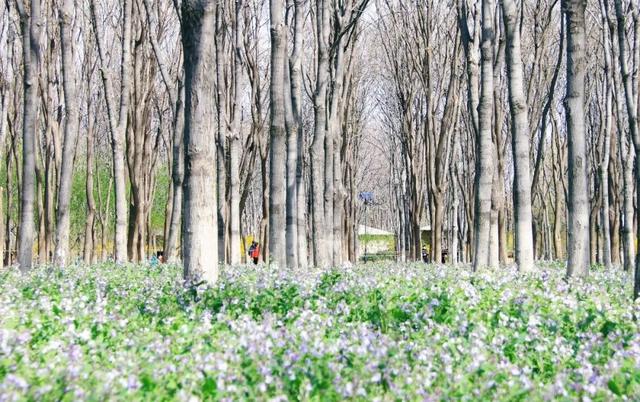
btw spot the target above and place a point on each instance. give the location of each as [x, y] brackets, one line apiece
[374, 332]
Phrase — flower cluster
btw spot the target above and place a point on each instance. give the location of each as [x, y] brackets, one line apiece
[372, 332]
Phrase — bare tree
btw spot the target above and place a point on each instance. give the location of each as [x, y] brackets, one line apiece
[631, 99]
[70, 131]
[519, 138]
[199, 229]
[295, 76]
[318, 190]
[235, 137]
[484, 156]
[578, 223]
[277, 132]
[117, 124]
[31, 25]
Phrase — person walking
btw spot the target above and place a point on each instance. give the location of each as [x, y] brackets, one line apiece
[254, 252]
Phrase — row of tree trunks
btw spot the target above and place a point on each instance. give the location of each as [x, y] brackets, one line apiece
[631, 100]
[117, 120]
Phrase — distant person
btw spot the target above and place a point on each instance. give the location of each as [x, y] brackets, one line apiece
[425, 256]
[160, 255]
[254, 252]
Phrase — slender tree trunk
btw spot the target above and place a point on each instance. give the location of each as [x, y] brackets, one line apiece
[593, 235]
[320, 246]
[277, 132]
[8, 259]
[264, 222]
[502, 234]
[42, 231]
[69, 74]
[89, 233]
[629, 245]
[49, 186]
[578, 223]
[484, 155]
[292, 158]
[520, 139]
[295, 67]
[118, 125]
[436, 226]
[177, 174]
[221, 138]
[4, 106]
[455, 259]
[557, 224]
[199, 228]
[31, 26]
[604, 183]
[234, 142]
[494, 233]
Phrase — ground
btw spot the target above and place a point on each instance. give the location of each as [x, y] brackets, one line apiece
[385, 332]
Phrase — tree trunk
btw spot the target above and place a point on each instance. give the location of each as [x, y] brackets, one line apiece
[221, 138]
[234, 143]
[295, 67]
[199, 228]
[484, 147]
[292, 158]
[319, 225]
[494, 233]
[277, 133]
[31, 26]
[604, 183]
[578, 223]
[89, 233]
[557, 224]
[118, 125]
[177, 173]
[70, 75]
[436, 227]
[455, 259]
[8, 259]
[519, 140]
[264, 222]
[629, 245]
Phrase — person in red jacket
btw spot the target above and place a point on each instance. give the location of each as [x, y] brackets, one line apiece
[254, 252]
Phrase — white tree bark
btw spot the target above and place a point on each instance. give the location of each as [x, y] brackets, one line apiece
[632, 106]
[319, 225]
[234, 142]
[199, 228]
[295, 69]
[70, 77]
[177, 174]
[221, 138]
[519, 139]
[578, 205]
[292, 159]
[31, 25]
[484, 143]
[277, 132]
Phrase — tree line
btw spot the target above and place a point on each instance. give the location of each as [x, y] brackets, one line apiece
[507, 127]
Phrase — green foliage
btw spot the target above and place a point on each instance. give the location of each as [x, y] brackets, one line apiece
[78, 203]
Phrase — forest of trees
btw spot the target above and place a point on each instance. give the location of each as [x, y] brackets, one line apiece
[508, 127]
